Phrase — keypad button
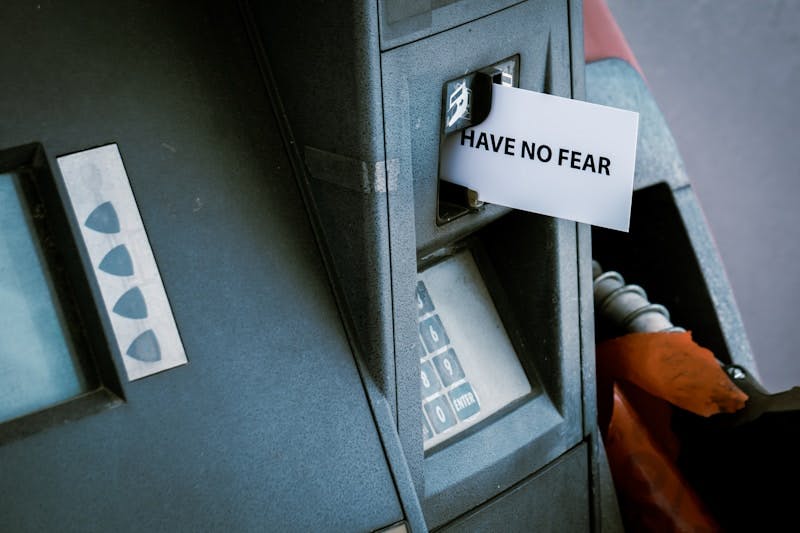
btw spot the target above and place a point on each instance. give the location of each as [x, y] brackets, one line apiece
[440, 414]
[427, 433]
[433, 335]
[465, 401]
[424, 303]
[448, 367]
[429, 380]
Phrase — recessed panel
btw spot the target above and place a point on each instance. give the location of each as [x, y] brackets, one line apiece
[469, 369]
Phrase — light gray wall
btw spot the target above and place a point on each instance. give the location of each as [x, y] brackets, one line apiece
[726, 76]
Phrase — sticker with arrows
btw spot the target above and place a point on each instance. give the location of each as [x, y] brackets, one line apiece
[124, 265]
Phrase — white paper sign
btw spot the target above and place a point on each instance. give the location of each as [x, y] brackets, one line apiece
[550, 155]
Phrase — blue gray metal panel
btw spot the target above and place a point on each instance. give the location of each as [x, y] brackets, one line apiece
[268, 426]
[336, 118]
[463, 474]
[555, 499]
[404, 21]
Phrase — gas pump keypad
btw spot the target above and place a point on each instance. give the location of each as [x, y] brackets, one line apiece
[469, 369]
[447, 397]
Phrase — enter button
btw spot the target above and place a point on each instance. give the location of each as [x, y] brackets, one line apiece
[465, 401]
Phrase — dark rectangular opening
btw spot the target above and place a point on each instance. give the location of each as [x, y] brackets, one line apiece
[658, 256]
[455, 201]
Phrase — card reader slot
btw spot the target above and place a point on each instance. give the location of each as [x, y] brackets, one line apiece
[466, 103]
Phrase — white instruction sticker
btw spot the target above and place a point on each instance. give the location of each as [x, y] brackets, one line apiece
[125, 268]
[550, 155]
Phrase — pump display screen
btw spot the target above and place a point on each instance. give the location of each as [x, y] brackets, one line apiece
[468, 367]
[38, 367]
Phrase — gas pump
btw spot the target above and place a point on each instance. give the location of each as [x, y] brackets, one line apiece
[486, 307]
[337, 340]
